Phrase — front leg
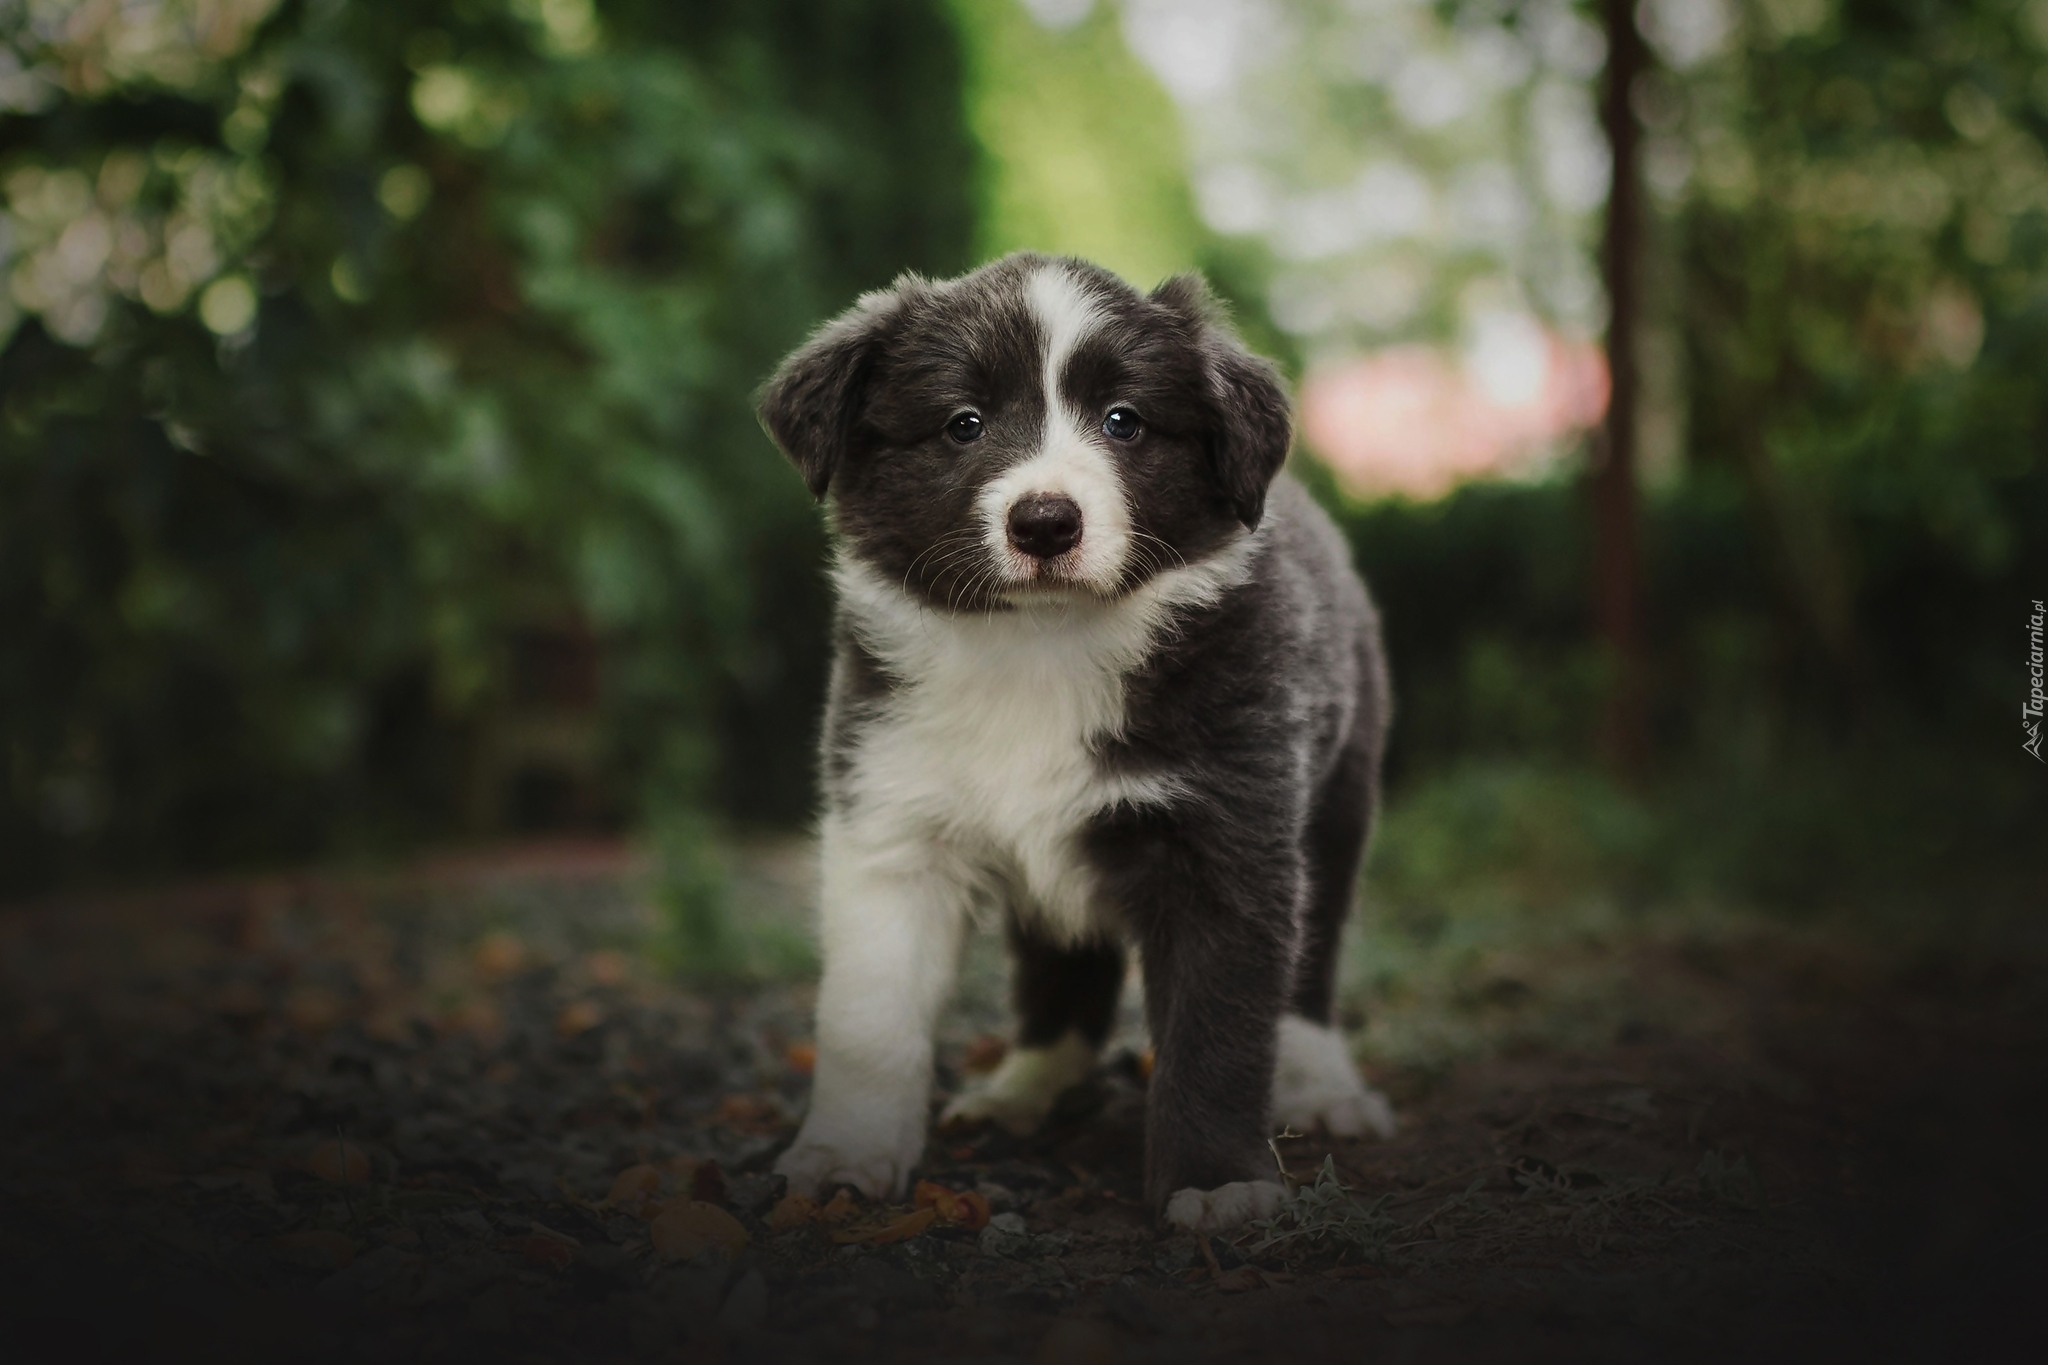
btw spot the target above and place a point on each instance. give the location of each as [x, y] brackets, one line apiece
[890, 912]
[1215, 919]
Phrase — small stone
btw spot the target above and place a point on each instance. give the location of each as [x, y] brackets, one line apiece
[750, 1194]
[1005, 1236]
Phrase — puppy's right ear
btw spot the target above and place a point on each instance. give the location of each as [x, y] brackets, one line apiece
[812, 404]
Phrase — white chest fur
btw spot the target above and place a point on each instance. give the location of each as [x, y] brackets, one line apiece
[983, 758]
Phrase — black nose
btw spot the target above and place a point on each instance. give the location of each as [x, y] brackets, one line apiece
[1045, 524]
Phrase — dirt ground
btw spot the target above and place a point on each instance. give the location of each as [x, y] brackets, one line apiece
[451, 1113]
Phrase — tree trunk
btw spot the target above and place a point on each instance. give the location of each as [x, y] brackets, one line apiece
[1617, 552]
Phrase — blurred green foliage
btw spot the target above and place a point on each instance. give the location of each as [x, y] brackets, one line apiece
[1081, 149]
[374, 410]
[363, 358]
[1853, 253]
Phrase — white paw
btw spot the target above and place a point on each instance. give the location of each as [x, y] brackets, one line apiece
[1315, 1085]
[878, 1171]
[1226, 1206]
[1022, 1090]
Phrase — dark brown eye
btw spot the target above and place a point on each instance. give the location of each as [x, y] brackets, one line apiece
[1122, 425]
[965, 428]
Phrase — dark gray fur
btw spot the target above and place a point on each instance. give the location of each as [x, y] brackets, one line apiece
[1269, 707]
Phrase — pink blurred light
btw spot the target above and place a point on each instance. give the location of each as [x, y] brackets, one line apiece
[1412, 420]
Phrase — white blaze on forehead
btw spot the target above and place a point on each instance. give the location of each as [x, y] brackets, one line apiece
[1071, 457]
[1065, 314]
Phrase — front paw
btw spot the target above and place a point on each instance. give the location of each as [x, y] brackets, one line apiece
[878, 1170]
[1226, 1206]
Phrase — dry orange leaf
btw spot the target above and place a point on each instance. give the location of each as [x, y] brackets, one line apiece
[792, 1211]
[579, 1016]
[499, 955]
[1147, 1059]
[633, 1184]
[967, 1209]
[974, 1211]
[315, 1249]
[688, 1226]
[899, 1229]
[344, 1163]
[840, 1207]
[802, 1058]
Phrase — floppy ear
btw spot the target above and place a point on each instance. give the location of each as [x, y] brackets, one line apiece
[812, 403]
[1253, 424]
[1250, 443]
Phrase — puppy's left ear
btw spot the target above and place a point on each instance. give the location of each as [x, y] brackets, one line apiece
[812, 404]
[1254, 430]
[1253, 424]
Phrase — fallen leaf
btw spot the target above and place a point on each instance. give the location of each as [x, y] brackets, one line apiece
[791, 1211]
[687, 1227]
[802, 1058]
[634, 1185]
[1147, 1059]
[984, 1054]
[499, 955]
[899, 1229]
[339, 1161]
[968, 1209]
[579, 1016]
[314, 1249]
[974, 1214]
[840, 1207]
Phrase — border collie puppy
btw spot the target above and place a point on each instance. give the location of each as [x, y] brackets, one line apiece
[1098, 670]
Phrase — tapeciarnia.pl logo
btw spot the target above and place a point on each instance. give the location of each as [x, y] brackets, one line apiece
[2030, 713]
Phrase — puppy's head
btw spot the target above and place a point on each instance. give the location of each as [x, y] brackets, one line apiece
[1034, 431]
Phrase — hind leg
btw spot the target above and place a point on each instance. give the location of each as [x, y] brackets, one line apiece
[1066, 1003]
[1316, 1084]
